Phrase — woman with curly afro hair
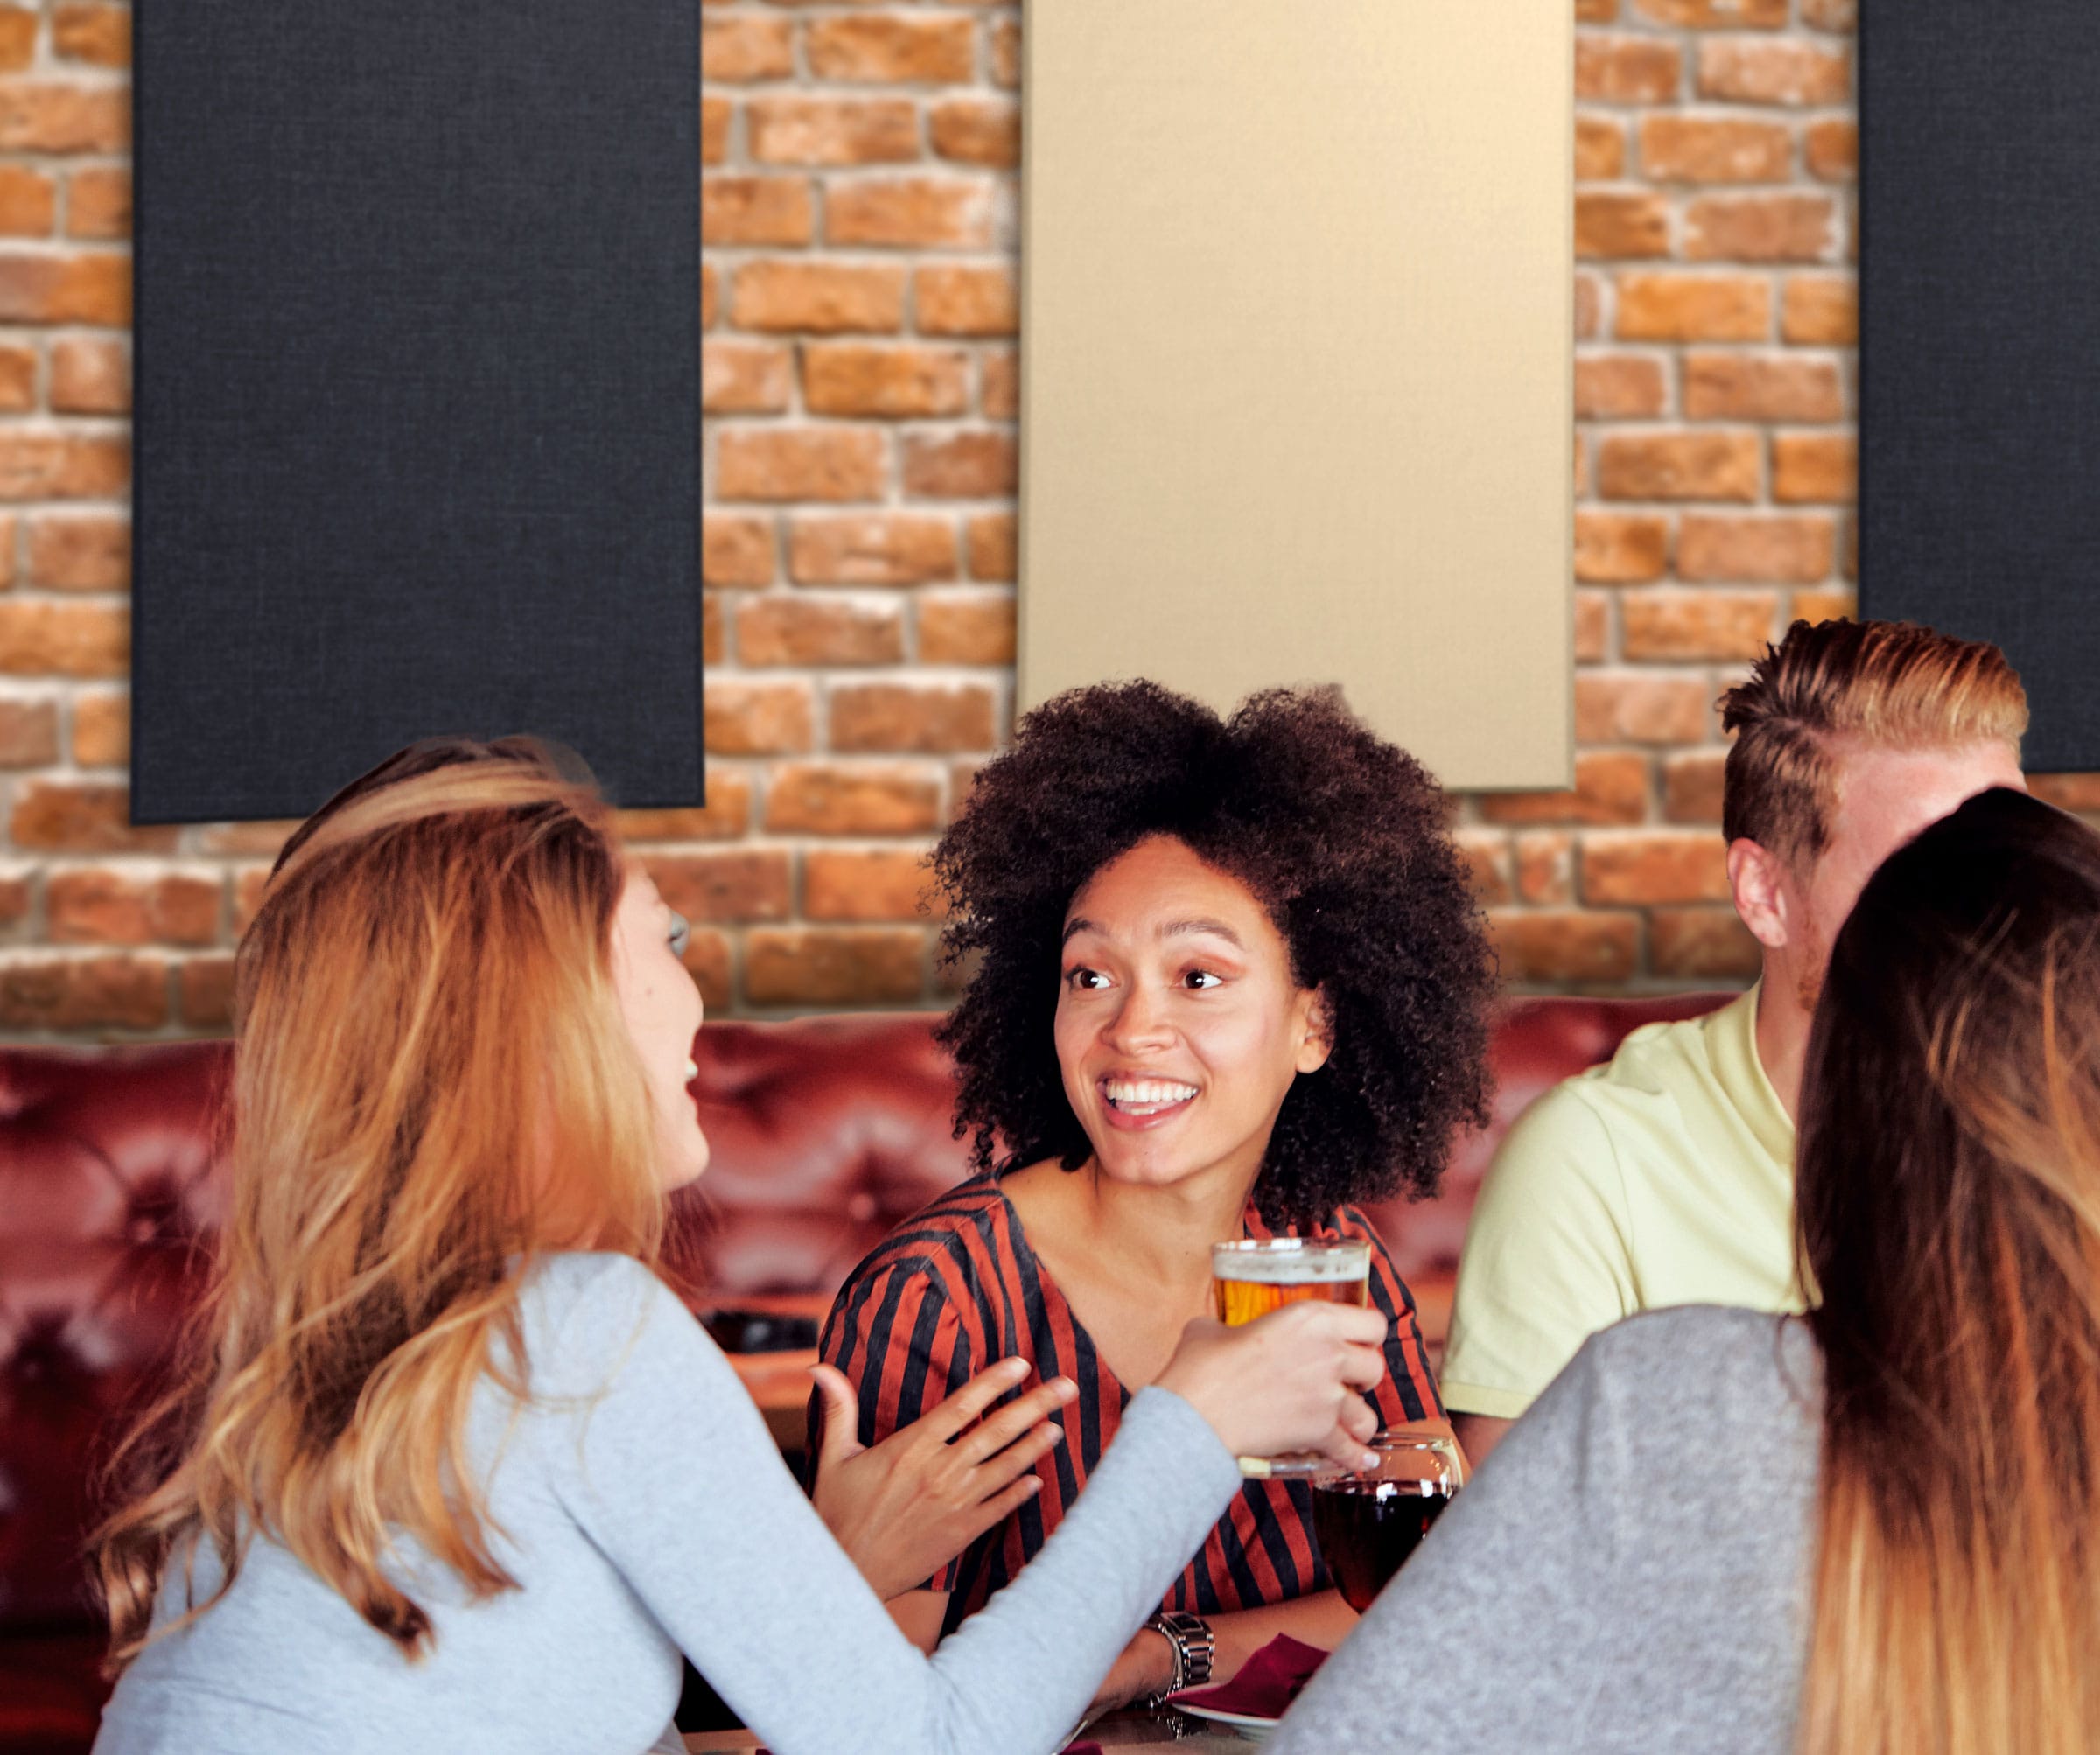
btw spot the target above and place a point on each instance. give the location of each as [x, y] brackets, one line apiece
[1227, 978]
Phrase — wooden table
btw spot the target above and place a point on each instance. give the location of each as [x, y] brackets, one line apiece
[1134, 1730]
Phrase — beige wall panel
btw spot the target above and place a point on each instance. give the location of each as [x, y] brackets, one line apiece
[1296, 347]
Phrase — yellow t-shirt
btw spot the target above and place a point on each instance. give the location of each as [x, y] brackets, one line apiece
[1664, 1176]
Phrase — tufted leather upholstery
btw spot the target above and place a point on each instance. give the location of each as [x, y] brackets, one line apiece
[825, 1132]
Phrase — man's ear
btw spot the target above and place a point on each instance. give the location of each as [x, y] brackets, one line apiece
[1318, 1041]
[1758, 883]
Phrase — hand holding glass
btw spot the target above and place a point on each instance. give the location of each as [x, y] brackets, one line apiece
[1252, 1276]
[1369, 1520]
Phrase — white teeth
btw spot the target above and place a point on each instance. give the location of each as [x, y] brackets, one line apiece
[1146, 1093]
[692, 1071]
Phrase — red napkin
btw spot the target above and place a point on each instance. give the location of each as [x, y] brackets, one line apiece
[1267, 1683]
[1089, 1747]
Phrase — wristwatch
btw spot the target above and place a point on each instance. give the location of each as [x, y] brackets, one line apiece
[1195, 1649]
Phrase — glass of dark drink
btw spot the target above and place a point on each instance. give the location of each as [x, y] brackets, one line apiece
[1368, 1524]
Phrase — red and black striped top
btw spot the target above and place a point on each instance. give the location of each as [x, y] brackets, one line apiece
[956, 1288]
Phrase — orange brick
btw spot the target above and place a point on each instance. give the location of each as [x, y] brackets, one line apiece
[808, 631]
[708, 299]
[207, 989]
[1620, 548]
[977, 465]
[708, 961]
[813, 800]
[1691, 787]
[1611, 787]
[1563, 946]
[1688, 307]
[828, 298]
[89, 376]
[756, 210]
[65, 639]
[835, 966]
[1596, 11]
[94, 905]
[1762, 387]
[2067, 791]
[966, 299]
[84, 993]
[1588, 302]
[1593, 627]
[724, 816]
[1701, 944]
[1599, 149]
[1627, 69]
[1487, 856]
[1652, 865]
[102, 731]
[1821, 308]
[64, 118]
[966, 628]
[1788, 551]
[18, 36]
[1831, 148]
[98, 35]
[977, 132]
[29, 201]
[1618, 387]
[795, 129]
[17, 379]
[53, 816]
[802, 463]
[1830, 15]
[1690, 626]
[1634, 707]
[1792, 70]
[914, 213]
[1761, 228]
[1716, 14]
[891, 382]
[1006, 53]
[1619, 223]
[757, 718]
[1581, 460]
[744, 378]
[745, 883]
[867, 885]
[736, 550]
[871, 548]
[1545, 866]
[1706, 149]
[1001, 400]
[28, 733]
[925, 719]
[1815, 467]
[77, 289]
[246, 841]
[715, 113]
[248, 886]
[994, 544]
[736, 50]
[1836, 604]
[1848, 550]
[87, 551]
[892, 49]
[1706, 463]
[714, 641]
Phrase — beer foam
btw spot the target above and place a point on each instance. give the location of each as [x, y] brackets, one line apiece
[1271, 1267]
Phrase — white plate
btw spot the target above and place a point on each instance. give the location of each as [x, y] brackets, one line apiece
[1253, 1727]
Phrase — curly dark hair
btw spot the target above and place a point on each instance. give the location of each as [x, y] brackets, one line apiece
[1338, 835]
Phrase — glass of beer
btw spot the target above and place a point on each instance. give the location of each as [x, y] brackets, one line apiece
[1254, 1275]
[1369, 1522]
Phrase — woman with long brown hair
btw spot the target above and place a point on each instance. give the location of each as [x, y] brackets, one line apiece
[1872, 1531]
[454, 1469]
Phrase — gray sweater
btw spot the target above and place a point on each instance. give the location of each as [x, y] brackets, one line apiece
[647, 1512]
[1630, 1571]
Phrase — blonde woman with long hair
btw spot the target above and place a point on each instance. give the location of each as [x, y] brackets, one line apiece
[454, 1469]
[1871, 1530]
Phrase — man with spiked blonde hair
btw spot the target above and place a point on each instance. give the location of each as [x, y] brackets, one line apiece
[1665, 1177]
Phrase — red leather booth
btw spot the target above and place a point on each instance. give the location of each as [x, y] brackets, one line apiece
[826, 1132]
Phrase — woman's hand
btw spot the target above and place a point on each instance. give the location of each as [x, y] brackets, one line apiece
[1290, 1382]
[906, 1508]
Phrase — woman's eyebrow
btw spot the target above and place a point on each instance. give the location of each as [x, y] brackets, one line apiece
[1176, 929]
[1075, 926]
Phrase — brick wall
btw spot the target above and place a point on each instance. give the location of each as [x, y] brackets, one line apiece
[859, 220]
